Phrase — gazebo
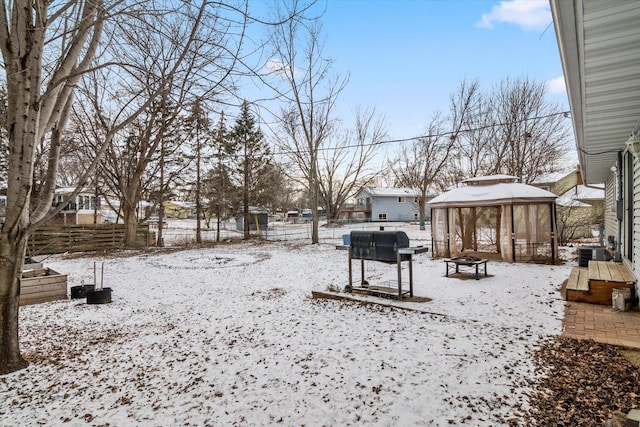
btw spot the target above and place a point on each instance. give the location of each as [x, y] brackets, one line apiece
[495, 215]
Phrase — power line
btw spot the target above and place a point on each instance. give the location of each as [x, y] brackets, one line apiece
[450, 134]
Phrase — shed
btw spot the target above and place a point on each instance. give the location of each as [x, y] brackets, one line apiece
[495, 215]
[258, 219]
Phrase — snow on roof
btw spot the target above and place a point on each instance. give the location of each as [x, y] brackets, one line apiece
[550, 178]
[485, 191]
[590, 193]
[393, 191]
[572, 197]
[69, 190]
[490, 179]
[568, 201]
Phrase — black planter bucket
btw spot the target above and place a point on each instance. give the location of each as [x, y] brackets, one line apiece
[100, 296]
[81, 291]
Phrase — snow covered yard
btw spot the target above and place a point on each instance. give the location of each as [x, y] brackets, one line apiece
[230, 336]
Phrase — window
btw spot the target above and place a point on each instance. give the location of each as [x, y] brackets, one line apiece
[86, 202]
[382, 217]
[402, 199]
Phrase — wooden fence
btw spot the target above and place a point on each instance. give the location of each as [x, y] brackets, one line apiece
[84, 238]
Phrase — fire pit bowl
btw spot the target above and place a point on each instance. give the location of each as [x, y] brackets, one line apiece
[78, 292]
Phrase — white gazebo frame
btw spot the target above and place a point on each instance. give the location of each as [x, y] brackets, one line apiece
[524, 220]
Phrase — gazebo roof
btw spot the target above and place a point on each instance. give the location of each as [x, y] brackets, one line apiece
[492, 190]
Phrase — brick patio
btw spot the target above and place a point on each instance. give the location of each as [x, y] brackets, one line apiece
[603, 324]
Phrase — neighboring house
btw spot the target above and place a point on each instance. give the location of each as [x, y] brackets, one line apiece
[84, 208]
[559, 183]
[599, 44]
[385, 204]
[177, 209]
[579, 209]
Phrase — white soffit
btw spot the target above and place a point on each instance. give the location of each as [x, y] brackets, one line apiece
[600, 50]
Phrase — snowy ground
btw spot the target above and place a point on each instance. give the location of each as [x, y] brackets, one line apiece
[230, 336]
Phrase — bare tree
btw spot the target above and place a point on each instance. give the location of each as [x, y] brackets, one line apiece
[510, 130]
[310, 93]
[420, 161]
[4, 134]
[47, 48]
[39, 101]
[470, 109]
[344, 164]
[531, 133]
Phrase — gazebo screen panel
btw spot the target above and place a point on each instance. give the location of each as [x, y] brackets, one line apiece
[439, 232]
[532, 232]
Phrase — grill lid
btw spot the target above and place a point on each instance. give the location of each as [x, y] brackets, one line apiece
[378, 245]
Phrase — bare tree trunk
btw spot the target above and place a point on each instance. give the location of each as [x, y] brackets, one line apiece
[307, 120]
[218, 223]
[12, 251]
[131, 225]
[314, 199]
[198, 196]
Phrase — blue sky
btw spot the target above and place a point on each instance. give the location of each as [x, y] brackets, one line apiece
[405, 57]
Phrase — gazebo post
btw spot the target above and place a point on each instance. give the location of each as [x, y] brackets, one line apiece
[448, 234]
[475, 228]
[513, 235]
[554, 237]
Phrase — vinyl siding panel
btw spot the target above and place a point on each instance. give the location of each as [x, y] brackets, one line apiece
[636, 218]
[394, 210]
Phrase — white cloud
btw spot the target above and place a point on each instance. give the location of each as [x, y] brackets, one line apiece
[274, 66]
[557, 85]
[527, 14]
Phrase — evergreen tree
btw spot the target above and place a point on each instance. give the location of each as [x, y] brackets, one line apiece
[251, 157]
[218, 185]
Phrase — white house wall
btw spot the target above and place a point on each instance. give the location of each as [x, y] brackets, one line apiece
[636, 218]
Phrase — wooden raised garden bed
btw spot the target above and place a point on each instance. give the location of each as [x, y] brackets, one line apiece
[39, 285]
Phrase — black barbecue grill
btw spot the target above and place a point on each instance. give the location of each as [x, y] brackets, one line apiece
[379, 245]
[390, 247]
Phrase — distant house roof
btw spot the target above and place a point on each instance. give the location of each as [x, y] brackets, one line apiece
[553, 177]
[590, 193]
[490, 179]
[393, 191]
[69, 190]
[179, 203]
[573, 198]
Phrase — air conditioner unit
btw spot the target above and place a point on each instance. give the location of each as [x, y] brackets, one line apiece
[587, 253]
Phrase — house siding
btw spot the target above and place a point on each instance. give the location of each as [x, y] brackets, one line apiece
[565, 184]
[384, 201]
[394, 210]
[636, 218]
